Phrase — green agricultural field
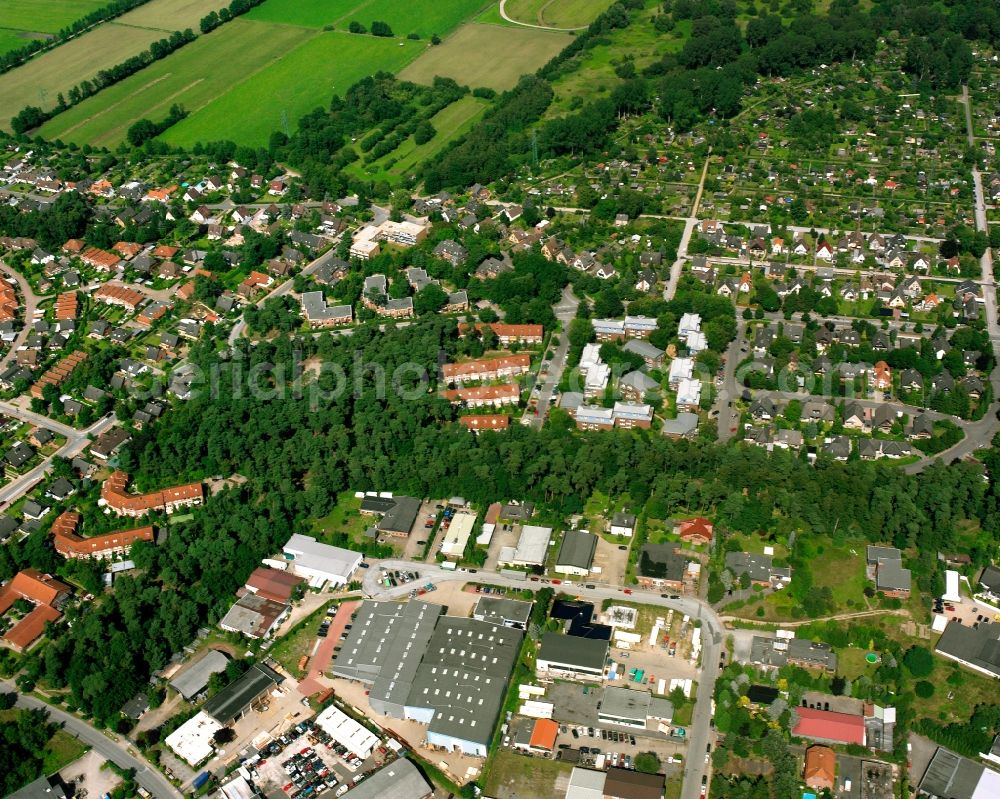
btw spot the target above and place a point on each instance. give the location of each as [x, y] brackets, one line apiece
[424, 17]
[307, 13]
[306, 77]
[471, 56]
[556, 13]
[193, 76]
[40, 80]
[450, 123]
[171, 15]
[44, 16]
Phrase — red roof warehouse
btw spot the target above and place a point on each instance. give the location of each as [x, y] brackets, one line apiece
[825, 725]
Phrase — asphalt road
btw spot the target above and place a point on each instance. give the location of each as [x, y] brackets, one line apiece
[76, 442]
[565, 311]
[30, 302]
[106, 744]
[712, 631]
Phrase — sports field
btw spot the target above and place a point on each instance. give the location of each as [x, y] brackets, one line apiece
[556, 13]
[293, 85]
[493, 56]
[450, 123]
[423, 17]
[193, 77]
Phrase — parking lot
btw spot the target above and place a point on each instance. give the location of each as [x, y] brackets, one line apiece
[611, 561]
[304, 761]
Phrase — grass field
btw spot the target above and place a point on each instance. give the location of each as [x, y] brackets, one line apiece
[556, 13]
[171, 15]
[41, 79]
[13, 39]
[470, 56]
[450, 123]
[44, 16]
[596, 74]
[424, 17]
[516, 775]
[193, 77]
[296, 83]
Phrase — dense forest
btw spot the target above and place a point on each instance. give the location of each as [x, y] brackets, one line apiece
[299, 447]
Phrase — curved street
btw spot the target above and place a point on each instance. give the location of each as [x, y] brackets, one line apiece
[29, 304]
[506, 18]
[106, 744]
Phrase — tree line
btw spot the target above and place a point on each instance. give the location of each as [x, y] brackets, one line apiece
[31, 116]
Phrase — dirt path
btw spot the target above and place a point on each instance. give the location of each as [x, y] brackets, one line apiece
[506, 18]
[836, 617]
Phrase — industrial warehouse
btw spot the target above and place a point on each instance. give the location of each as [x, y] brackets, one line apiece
[447, 672]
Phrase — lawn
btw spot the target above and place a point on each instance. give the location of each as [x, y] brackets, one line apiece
[424, 17]
[62, 750]
[300, 640]
[193, 76]
[344, 518]
[516, 775]
[449, 123]
[292, 84]
[44, 16]
[41, 79]
[493, 56]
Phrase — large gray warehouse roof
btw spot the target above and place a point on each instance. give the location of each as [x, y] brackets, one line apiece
[398, 780]
[385, 645]
[463, 677]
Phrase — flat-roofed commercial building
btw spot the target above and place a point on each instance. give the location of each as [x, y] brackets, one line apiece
[446, 672]
[571, 657]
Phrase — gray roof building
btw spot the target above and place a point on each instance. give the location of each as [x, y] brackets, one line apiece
[446, 672]
[399, 780]
[631, 708]
[236, 698]
[503, 611]
[977, 648]
[778, 652]
[384, 648]
[950, 776]
[572, 653]
[42, 788]
[194, 679]
[462, 680]
[576, 552]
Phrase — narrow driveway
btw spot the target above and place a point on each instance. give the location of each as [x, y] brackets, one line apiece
[565, 311]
